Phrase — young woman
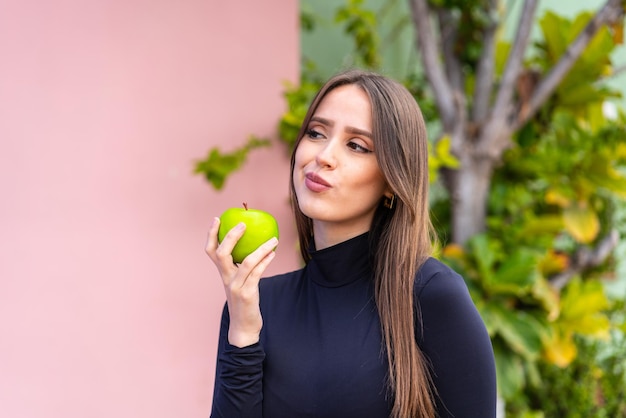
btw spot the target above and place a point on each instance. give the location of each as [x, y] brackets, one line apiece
[372, 326]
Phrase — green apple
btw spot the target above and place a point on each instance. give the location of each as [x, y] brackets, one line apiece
[260, 227]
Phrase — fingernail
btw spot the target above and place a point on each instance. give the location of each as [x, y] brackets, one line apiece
[216, 220]
[240, 226]
[274, 241]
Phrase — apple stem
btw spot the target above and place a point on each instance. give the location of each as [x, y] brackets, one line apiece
[245, 205]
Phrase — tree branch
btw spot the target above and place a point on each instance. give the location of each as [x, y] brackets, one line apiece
[611, 12]
[514, 62]
[448, 30]
[586, 258]
[433, 68]
[498, 129]
[485, 68]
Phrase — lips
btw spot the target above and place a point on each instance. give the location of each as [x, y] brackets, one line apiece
[316, 183]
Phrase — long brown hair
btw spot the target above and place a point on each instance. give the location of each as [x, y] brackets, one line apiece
[401, 237]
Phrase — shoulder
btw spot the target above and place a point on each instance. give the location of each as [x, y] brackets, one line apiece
[443, 302]
[439, 287]
[435, 274]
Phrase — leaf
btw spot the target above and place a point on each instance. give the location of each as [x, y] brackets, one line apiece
[555, 32]
[361, 26]
[489, 313]
[602, 173]
[582, 306]
[582, 223]
[583, 297]
[307, 20]
[453, 251]
[577, 25]
[485, 254]
[553, 262]
[218, 166]
[521, 332]
[597, 54]
[622, 327]
[557, 197]
[595, 117]
[579, 94]
[594, 325]
[533, 414]
[515, 275]
[533, 375]
[443, 154]
[509, 373]
[560, 349]
[548, 297]
[503, 49]
[543, 225]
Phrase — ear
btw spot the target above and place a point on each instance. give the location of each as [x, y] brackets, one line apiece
[388, 193]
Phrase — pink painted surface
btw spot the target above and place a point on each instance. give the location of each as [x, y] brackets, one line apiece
[108, 305]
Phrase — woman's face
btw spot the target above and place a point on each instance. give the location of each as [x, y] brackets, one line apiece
[336, 175]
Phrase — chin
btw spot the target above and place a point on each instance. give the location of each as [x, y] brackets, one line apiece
[314, 210]
[309, 212]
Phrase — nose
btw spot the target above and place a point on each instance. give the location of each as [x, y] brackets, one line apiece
[327, 154]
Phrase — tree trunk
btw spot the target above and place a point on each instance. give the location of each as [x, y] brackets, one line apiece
[469, 189]
[496, 111]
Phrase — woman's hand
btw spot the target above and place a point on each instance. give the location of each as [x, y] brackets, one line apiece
[241, 282]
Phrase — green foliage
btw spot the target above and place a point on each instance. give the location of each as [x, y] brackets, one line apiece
[307, 20]
[554, 194]
[440, 156]
[578, 93]
[217, 165]
[298, 98]
[592, 385]
[360, 26]
[563, 178]
[527, 320]
[582, 312]
[555, 191]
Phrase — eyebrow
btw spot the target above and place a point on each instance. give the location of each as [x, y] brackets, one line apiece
[350, 129]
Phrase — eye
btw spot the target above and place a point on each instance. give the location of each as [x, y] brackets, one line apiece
[358, 147]
[313, 134]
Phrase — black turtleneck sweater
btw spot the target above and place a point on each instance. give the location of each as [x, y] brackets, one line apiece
[321, 353]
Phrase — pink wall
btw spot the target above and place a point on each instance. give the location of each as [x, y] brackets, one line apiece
[108, 305]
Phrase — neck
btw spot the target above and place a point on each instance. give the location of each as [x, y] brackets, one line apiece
[326, 235]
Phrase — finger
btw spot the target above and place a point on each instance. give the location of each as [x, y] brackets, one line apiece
[255, 275]
[257, 255]
[256, 263]
[225, 248]
[212, 241]
[226, 268]
[248, 289]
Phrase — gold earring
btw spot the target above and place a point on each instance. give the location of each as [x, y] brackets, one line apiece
[389, 202]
